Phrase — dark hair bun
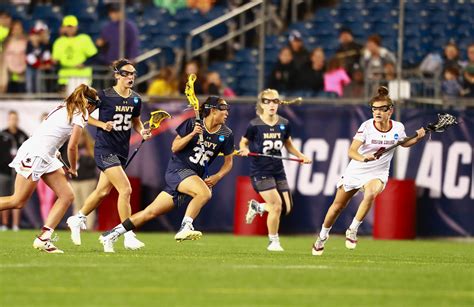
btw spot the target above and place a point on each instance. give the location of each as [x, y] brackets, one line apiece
[383, 91]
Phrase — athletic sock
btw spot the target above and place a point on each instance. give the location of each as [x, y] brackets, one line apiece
[46, 233]
[355, 225]
[187, 220]
[273, 238]
[324, 232]
[126, 226]
[261, 208]
[80, 214]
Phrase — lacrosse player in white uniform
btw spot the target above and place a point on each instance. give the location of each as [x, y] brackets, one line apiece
[36, 159]
[365, 172]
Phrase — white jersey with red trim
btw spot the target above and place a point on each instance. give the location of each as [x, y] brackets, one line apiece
[357, 173]
[53, 132]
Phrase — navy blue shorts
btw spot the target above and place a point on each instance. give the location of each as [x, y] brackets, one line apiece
[106, 161]
[173, 178]
[265, 183]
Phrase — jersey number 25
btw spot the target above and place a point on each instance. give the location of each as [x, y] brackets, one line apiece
[122, 122]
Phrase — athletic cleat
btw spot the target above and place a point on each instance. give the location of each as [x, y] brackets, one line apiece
[351, 239]
[318, 246]
[108, 239]
[187, 232]
[274, 246]
[76, 223]
[131, 242]
[47, 245]
[252, 211]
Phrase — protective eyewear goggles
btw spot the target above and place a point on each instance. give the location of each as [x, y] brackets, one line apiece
[382, 108]
[126, 73]
[222, 107]
[268, 101]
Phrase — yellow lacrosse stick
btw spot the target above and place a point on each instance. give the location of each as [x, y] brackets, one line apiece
[193, 101]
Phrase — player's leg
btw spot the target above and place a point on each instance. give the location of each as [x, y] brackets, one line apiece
[340, 202]
[58, 183]
[78, 221]
[371, 190]
[162, 204]
[195, 187]
[273, 205]
[24, 188]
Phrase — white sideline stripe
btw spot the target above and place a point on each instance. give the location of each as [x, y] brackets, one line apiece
[44, 265]
[281, 267]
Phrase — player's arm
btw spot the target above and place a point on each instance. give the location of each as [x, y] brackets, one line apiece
[107, 126]
[72, 149]
[295, 152]
[180, 142]
[355, 155]
[139, 128]
[420, 134]
[244, 147]
[224, 170]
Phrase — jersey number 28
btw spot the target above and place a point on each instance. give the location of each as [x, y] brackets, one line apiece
[269, 146]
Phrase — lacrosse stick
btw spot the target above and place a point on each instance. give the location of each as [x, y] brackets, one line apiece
[156, 117]
[193, 101]
[293, 101]
[444, 121]
[255, 154]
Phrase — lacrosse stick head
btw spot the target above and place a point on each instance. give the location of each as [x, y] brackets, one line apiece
[297, 100]
[445, 120]
[156, 117]
[189, 92]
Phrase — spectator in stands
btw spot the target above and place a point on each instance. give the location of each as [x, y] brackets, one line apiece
[300, 54]
[203, 6]
[375, 57]
[451, 56]
[468, 81]
[312, 76]
[84, 184]
[38, 54]
[11, 139]
[450, 86]
[284, 75]
[171, 5]
[71, 51]
[335, 77]
[5, 24]
[348, 51]
[15, 58]
[356, 88]
[109, 40]
[165, 84]
[214, 86]
[191, 67]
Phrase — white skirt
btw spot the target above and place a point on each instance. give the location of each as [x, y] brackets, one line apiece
[349, 183]
[28, 164]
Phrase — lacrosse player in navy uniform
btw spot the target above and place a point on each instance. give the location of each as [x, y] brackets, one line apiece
[186, 175]
[267, 134]
[365, 172]
[118, 114]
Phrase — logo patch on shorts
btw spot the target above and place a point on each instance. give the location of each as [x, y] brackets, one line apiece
[221, 138]
[395, 136]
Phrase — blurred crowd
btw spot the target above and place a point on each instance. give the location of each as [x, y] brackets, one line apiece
[297, 71]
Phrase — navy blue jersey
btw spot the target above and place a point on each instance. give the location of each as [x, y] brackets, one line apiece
[120, 110]
[194, 156]
[267, 140]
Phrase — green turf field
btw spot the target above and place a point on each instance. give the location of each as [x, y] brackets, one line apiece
[223, 270]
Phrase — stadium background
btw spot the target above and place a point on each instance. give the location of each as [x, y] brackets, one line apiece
[445, 188]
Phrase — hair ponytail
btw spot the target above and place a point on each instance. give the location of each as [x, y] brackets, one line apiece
[382, 95]
[77, 101]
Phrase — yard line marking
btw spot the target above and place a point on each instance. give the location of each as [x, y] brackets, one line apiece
[281, 267]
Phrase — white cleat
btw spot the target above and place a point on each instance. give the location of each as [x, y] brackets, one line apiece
[187, 232]
[252, 211]
[46, 245]
[76, 223]
[318, 246]
[131, 242]
[351, 239]
[275, 246]
[108, 239]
